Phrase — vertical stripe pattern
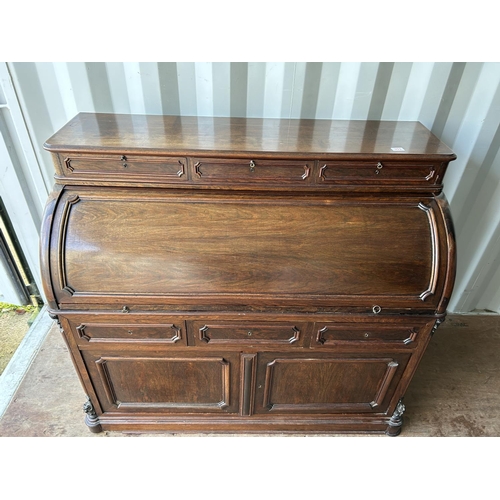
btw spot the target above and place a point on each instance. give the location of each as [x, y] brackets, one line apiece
[459, 102]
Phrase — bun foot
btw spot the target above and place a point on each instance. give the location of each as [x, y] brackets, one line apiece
[396, 421]
[91, 418]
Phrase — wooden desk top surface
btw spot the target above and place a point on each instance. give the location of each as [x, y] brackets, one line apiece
[157, 134]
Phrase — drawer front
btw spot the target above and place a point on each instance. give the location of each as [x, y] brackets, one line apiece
[398, 334]
[374, 172]
[130, 329]
[239, 333]
[173, 168]
[211, 170]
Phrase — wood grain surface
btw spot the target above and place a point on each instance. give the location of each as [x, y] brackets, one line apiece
[244, 247]
[247, 274]
[242, 136]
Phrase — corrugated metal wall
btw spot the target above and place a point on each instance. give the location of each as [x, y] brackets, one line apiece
[459, 102]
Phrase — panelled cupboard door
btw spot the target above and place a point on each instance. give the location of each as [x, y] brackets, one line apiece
[164, 382]
[327, 383]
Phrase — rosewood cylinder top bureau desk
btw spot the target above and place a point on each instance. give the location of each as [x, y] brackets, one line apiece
[246, 275]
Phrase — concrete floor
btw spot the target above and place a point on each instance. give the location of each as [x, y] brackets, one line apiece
[13, 327]
[455, 392]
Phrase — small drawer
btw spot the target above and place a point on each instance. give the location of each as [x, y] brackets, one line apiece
[143, 329]
[329, 334]
[374, 172]
[242, 333]
[172, 168]
[212, 170]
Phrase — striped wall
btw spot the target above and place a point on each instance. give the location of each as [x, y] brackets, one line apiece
[459, 102]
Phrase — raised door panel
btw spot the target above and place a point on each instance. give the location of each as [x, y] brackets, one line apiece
[164, 383]
[159, 247]
[318, 383]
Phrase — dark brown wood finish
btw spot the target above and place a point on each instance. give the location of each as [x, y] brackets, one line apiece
[319, 251]
[229, 274]
[162, 382]
[130, 329]
[249, 333]
[327, 383]
[131, 166]
[240, 137]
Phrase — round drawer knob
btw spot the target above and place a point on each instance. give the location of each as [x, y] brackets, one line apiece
[249, 333]
[367, 334]
[376, 309]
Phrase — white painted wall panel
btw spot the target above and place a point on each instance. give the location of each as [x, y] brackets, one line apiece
[17, 203]
[256, 84]
[118, 87]
[221, 85]
[418, 83]
[346, 90]
[150, 79]
[135, 94]
[460, 102]
[273, 89]
[327, 90]
[186, 73]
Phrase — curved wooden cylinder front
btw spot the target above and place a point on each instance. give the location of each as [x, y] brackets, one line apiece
[133, 247]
